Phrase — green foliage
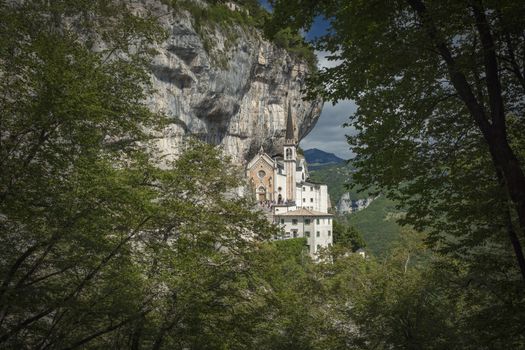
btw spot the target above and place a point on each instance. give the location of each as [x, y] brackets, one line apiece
[250, 16]
[215, 15]
[294, 43]
[416, 139]
[415, 299]
[107, 250]
[434, 82]
[377, 224]
[347, 236]
[337, 177]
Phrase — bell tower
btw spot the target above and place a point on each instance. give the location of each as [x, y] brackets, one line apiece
[290, 157]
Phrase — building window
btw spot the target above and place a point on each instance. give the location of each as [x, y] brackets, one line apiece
[318, 234]
[261, 174]
[307, 221]
[308, 247]
[279, 189]
[318, 247]
[294, 232]
[329, 233]
[288, 153]
[294, 221]
[304, 188]
[282, 221]
[311, 188]
[311, 200]
[287, 235]
[304, 200]
[307, 233]
[317, 221]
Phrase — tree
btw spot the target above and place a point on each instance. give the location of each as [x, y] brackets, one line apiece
[105, 248]
[71, 122]
[439, 87]
[347, 236]
[414, 298]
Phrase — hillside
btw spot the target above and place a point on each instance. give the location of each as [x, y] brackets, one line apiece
[376, 223]
[317, 158]
[337, 177]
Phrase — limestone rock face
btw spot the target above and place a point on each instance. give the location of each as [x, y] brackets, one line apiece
[227, 85]
[344, 206]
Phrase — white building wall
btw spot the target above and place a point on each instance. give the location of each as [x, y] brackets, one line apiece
[281, 209]
[280, 183]
[323, 199]
[323, 236]
[312, 197]
[301, 175]
[316, 230]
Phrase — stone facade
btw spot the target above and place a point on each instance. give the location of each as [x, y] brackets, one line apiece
[261, 179]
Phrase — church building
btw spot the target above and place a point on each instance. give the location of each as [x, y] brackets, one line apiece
[282, 186]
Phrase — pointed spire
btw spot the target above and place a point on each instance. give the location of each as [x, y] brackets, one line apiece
[261, 150]
[290, 134]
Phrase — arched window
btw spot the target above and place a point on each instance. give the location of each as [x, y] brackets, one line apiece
[262, 189]
[261, 174]
[288, 153]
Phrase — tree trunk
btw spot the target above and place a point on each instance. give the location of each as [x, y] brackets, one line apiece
[494, 131]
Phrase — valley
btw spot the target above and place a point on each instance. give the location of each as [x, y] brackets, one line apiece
[376, 222]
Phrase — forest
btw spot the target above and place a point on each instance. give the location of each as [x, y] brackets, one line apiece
[102, 248]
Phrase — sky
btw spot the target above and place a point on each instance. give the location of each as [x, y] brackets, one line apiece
[329, 134]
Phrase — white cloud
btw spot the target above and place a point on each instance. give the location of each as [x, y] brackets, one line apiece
[324, 62]
[329, 134]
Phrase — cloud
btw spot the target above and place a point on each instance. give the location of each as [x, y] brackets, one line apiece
[329, 134]
[323, 60]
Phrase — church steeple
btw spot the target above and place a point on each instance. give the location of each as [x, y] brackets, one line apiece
[290, 157]
[290, 132]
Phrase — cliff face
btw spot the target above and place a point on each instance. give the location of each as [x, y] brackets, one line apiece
[227, 85]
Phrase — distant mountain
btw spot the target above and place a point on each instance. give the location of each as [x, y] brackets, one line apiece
[317, 157]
